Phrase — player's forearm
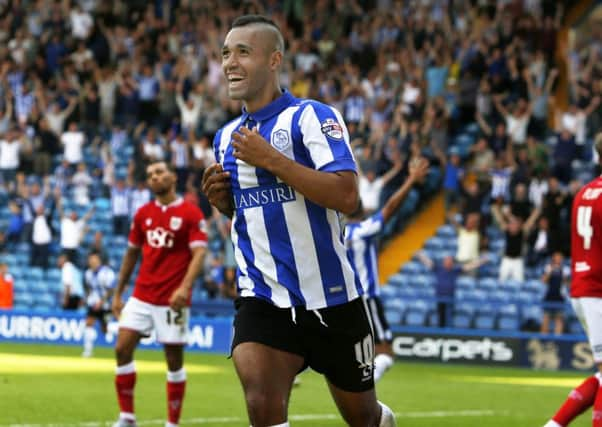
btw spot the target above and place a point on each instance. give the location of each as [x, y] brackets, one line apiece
[127, 267]
[332, 190]
[395, 200]
[194, 267]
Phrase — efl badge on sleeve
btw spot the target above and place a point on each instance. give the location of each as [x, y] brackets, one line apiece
[203, 226]
[175, 223]
[332, 129]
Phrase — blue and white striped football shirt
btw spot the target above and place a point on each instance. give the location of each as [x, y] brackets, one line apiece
[289, 251]
[99, 282]
[360, 239]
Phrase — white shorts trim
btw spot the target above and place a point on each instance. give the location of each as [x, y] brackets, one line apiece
[169, 326]
[589, 313]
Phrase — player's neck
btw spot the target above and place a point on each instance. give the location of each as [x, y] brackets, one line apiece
[166, 199]
[264, 98]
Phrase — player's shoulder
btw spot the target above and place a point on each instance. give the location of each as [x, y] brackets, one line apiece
[320, 108]
[190, 208]
[590, 191]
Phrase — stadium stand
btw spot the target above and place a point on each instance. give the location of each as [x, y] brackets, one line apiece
[88, 98]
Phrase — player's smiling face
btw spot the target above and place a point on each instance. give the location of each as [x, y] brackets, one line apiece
[246, 61]
[159, 178]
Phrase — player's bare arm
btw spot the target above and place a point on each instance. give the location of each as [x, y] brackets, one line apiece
[418, 170]
[216, 186]
[332, 190]
[179, 298]
[127, 267]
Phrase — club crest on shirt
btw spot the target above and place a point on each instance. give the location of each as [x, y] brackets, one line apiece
[149, 221]
[332, 129]
[175, 222]
[280, 140]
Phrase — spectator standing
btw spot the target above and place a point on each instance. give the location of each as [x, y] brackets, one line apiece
[446, 273]
[72, 230]
[556, 276]
[516, 231]
[73, 142]
[41, 237]
[469, 238]
[73, 287]
[120, 207]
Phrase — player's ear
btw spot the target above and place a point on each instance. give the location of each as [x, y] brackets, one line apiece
[275, 60]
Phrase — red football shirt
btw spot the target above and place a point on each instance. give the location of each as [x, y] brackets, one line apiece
[586, 241]
[166, 235]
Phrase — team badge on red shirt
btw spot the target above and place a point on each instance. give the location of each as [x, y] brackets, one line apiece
[175, 222]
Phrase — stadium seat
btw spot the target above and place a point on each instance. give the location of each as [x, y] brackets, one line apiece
[10, 259]
[415, 318]
[487, 284]
[387, 292]
[511, 285]
[399, 279]
[20, 285]
[508, 323]
[24, 299]
[466, 282]
[484, 321]
[393, 316]
[53, 274]
[574, 326]
[446, 231]
[34, 274]
[45, 299]
[499, 296]
[435, 244]
[413, 267]
[38, 286]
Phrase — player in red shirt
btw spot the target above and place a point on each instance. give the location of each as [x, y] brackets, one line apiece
[170, 234]
[586, 295]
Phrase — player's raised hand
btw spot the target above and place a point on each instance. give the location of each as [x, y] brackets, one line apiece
[419, 168]
[252, 148]
[216, 186]
[179, 298]
[117, 306]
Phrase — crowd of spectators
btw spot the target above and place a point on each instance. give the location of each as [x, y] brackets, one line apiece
[91, 91]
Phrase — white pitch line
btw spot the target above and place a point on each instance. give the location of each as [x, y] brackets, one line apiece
[300, 417]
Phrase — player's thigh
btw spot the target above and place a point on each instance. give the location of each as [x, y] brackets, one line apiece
[136, 316]
[589, 313]
[267, 349]
[171, 326]
[265, 369]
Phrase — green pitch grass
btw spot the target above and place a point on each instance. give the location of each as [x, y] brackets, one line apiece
[44, 386]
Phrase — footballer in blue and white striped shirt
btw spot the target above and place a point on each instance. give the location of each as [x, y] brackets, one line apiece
[285, 173]
[361, 238]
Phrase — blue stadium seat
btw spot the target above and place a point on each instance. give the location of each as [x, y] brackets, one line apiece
[53, 274]
[511, 285]
[435, 243]
[407, 292]
[395, 304]
[446, 231]
[487, 284]
[24, 299]
[533, 312]
[466, 282]
[415, 318]
[423, 280]
[399, 279]
[499, 296]
[10, 259]
[393, 316]
[413, 267]
[45, 299]
[23, 258]
[508, 323]
[34, 274]
[38, 286]
[387, 292]
[484, 321]
[20, 306]
[20, 285]
[462, 315]
[535, 287]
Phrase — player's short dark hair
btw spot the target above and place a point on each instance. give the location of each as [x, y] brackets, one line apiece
[170, 167]
[244, 20]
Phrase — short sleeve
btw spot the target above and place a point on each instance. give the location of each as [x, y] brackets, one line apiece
[326, 138]
[370, 226]
[197, 229]
[136, 237]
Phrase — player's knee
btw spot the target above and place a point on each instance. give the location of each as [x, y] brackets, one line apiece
[123, 353]
[265, 409]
